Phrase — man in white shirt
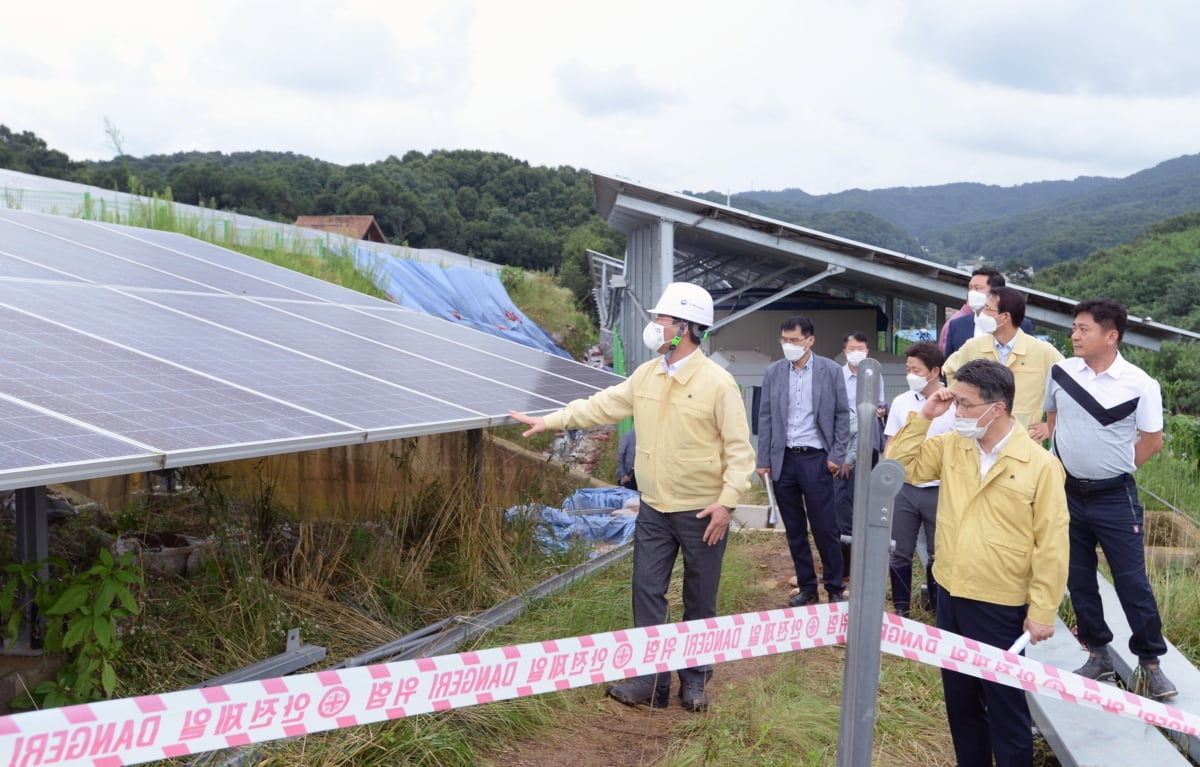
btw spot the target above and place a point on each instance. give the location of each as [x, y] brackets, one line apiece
[1106, 419]
[856, 348]
[915, 505]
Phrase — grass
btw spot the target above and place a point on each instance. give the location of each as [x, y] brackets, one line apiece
[1177, 589]
[790, 716]
[311, 257]
[551, 306]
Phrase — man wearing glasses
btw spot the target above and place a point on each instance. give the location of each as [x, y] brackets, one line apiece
[693, 462]
[803, 434]
[1002, 547]
[1029, 358]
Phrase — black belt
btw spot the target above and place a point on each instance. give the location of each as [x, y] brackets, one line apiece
[805, 449]
[1090, 486]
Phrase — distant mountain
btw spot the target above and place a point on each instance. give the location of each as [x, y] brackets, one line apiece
[502, 209]
[1071, 229]
[851, 223]
[921, 210]
[1034, 225]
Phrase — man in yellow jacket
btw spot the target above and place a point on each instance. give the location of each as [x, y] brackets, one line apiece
[1029, 358]
[1002, 547]
[694, 461]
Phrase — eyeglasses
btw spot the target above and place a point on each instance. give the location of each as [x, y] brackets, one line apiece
[961, 405]
[670, 321]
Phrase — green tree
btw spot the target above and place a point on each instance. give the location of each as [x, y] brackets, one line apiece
[575, 274]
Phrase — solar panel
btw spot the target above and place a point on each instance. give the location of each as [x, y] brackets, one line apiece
[126, 350]
[83, 262]
[33, 439]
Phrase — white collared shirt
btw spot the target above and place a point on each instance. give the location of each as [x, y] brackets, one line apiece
[1088, 449]
[988, 459]
[672, 368]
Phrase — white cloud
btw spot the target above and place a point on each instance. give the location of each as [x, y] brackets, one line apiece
[602, 92]
[1064, 46]
[822, 95]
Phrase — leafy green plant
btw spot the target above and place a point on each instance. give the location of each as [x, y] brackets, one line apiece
[82, 612]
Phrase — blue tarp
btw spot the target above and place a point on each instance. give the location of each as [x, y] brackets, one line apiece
[556, 528]
[458, 294]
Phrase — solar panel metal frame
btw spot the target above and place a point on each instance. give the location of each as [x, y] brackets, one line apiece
[103, 307]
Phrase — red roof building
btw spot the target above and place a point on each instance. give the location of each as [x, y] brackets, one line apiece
[358, 227]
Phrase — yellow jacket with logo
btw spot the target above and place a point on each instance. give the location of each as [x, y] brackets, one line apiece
[1030, 361]
[693, 439]
[1004, 539]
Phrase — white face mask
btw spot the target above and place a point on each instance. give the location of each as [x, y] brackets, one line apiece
[916, 382]
[653, 336]
[976, 300]
[855, 358]
[795, 352]
[970, 427]
[986, 323]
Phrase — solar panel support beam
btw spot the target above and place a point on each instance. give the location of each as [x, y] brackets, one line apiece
[475, 462]
[32, 546]
[160, 482]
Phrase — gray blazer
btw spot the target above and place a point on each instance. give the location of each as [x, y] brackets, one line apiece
[829, 406]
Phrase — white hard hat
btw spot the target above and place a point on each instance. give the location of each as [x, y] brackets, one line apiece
[686, 302]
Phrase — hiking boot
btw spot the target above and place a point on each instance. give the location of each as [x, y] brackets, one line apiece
[1153, 683]
[804, 598]
[641, 692]
[692, 695]
[1099, 666]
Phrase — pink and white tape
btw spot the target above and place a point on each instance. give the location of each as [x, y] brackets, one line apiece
[929, 645]
[135, 730]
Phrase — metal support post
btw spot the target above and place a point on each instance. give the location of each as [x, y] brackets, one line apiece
[475, 462]
[874, 492]
[32, 546]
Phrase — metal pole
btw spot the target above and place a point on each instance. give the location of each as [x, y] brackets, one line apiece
[874, 492]
[32, 546]
[475, 462]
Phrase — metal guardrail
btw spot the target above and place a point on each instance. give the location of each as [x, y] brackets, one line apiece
[295, 657]
[435, 639]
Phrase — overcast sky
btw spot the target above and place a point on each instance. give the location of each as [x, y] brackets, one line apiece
[824, 95]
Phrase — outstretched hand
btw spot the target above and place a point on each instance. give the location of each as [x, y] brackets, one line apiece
[535, 423]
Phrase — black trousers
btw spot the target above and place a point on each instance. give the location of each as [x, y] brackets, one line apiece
[985, 718]
[1112, 517]
[657, 541]
[805, 493]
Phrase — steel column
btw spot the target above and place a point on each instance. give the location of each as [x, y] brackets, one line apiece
[32, 546]
[874, 492]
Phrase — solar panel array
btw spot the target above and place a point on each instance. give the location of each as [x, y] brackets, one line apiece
[125, 349]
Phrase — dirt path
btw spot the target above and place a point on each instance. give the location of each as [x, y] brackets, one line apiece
[614, 735]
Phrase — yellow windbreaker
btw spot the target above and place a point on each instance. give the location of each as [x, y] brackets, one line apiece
[1002, 540]
[1030, 361]
[693, 439]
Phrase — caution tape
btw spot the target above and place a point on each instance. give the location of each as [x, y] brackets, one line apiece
[150, 727]
[142, 729]
[931, 646]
